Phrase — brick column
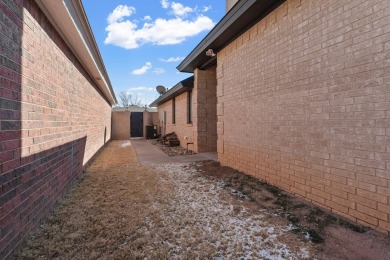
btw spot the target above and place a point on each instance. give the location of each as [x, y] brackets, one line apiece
[205, 109]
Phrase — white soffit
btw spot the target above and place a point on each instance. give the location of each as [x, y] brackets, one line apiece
[69, 19]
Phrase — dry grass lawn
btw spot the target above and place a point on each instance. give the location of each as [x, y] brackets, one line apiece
[121, 210]
[105, 215]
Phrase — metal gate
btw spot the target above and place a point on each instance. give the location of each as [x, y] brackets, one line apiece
[136, 124]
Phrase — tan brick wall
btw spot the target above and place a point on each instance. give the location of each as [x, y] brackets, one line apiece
[53, 119]
[203, 130]
[120, 125]
[205, 105]
[155, 120]
[304, 103]
[230, 4]
[150, 118]
[59, 102]
[181, 128]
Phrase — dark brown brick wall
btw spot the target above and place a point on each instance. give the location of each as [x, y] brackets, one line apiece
[53, 119]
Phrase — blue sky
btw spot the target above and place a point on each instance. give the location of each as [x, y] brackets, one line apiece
[142, 42]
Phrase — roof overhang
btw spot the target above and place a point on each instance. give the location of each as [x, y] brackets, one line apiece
[241, 17]
[69, 18]
[179, 88]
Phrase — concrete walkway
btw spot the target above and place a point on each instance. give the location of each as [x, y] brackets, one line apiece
[149, 154]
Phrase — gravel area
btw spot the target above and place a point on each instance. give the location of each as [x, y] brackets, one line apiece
[172, 150]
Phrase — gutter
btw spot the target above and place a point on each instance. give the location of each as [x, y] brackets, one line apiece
[178, 89]
[241, 17]
[70, 20]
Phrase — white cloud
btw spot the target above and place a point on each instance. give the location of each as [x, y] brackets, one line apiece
[147, 18]
[121, 34]
[179, 10]
[158, 71]
[172, 59]
[165, 4]
[206, 8]
[161, 32]
[119, 13]
[143, 70]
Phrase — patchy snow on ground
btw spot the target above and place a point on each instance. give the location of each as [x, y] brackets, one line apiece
[209, 226]
[126, 144]
[122, 210]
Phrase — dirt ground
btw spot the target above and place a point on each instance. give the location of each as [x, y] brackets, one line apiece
[121, 210]
[334, 237]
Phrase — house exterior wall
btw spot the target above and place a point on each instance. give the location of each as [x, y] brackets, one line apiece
[121, 125]
[230, 4]
[202, 132]
[205, 103]
[303, 103]
[181, 127]
[150, 118]
[154, 116]
[52, 120]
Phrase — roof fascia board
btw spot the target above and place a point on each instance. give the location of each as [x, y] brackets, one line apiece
[220, 36]
[226, 21]
[69, 19]
[173, 92]
[89, 40]
[176, 90]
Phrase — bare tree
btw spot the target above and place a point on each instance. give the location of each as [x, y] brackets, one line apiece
[127, 100]
[124, 99]
[135, 101]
